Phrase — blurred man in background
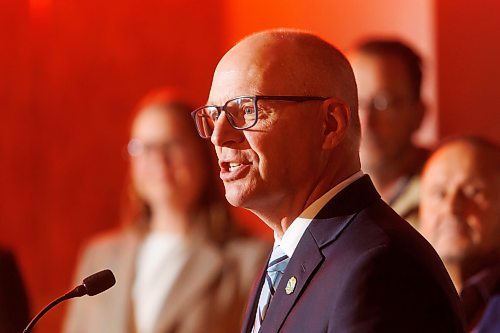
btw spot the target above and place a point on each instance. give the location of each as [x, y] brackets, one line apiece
[389, 76]
[460, 216]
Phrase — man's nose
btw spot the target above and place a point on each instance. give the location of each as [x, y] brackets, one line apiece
[224, 134]
[455, 203]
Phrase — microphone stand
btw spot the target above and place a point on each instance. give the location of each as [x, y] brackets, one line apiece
[92, 285]
[77, 292]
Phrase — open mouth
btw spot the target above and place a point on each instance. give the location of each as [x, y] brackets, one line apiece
[233, 170]
[234, 166]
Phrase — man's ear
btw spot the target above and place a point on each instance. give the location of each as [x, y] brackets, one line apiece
[336, 122]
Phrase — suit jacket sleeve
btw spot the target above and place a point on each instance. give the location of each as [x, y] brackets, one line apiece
[386, 294]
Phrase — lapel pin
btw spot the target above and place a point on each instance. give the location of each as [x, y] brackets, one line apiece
[290, 285]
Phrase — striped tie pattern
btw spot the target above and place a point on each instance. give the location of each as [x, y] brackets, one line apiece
[275, 268]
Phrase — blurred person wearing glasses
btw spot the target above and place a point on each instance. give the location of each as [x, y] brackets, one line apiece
[282, 115]
[460, 216]
[180, 263]
[389, 76]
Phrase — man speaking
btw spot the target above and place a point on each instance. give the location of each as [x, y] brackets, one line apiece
[282, 115]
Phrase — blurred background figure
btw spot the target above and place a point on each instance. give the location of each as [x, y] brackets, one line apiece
[460, 216]
[389, 76]
[180, 263]
[14, 310]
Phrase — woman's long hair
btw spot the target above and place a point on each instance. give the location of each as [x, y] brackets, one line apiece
[210, 216]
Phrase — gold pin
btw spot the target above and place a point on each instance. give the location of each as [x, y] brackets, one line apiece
[290, 285]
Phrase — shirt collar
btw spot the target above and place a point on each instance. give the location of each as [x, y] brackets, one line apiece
[294, 233]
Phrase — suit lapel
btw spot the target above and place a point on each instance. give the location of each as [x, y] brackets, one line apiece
[201, 269]
[302, 266]
[125, 273]
[325, 228]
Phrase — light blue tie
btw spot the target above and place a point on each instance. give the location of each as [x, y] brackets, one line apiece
[275, 268]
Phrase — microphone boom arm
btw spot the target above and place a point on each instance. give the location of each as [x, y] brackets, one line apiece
[92, 285]
[78, 291]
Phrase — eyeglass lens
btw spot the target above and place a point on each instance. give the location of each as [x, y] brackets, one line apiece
[240, 113]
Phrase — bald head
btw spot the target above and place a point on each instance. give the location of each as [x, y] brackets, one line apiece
[289, 62]
[460, 211]
[290, 130]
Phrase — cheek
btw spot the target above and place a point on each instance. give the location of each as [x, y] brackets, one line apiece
[428, 227]
[189, 177]
[218, 150]
[276, 157]
[439, 228]
[378, 122]
[137, 172]
[142, 180]
[396, 133]
[428, 215]
[476, 229]
[280, 152]
[394, 126]
[485, 226]
[478, 213]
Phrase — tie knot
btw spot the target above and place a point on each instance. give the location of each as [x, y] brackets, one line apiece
[278, 260]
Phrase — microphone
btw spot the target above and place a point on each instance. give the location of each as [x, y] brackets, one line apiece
[92, 285]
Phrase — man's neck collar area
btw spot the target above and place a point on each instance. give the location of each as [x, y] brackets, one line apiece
[308, 214]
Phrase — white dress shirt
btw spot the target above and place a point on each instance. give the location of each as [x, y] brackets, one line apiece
[159, 262]
[294, 233]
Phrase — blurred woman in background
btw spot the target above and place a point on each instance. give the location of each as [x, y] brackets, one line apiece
[180, 263]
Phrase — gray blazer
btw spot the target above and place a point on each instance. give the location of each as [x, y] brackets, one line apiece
[208, 296]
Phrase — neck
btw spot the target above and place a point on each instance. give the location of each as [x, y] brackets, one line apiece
[165, 219]
[456, 275]
[461, 271]
[387, 176]
[279, 217]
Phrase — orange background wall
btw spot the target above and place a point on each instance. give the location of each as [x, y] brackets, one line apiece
[70, 72]
[468, 53]
[344, 23]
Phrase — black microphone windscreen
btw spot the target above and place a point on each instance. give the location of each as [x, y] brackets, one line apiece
[99, 282]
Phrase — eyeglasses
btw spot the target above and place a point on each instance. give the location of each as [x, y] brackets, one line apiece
[241, 112]
[383, 103]
[137, 148]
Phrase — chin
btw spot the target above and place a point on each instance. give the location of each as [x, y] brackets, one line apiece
[240, 198]
[455, 253]
[234, 198]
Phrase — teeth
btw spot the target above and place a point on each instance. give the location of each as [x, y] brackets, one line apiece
[233, 166]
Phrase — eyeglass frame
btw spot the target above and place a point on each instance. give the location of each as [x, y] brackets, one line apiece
[392, 102]
[255, 99]
[165, 148]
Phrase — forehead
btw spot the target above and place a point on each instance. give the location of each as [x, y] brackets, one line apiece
[230, 82]
[462, 162]
[154, 123]
[386, 72]
[253, 68]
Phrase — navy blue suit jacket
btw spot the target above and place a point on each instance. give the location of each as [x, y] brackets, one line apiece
[490, 322]
[361, 268]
